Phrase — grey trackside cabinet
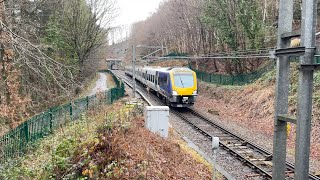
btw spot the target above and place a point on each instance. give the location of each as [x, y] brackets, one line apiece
[157, 120]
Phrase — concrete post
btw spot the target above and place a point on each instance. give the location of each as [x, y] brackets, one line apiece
[215, 147]
[282, 91]
[308, 31]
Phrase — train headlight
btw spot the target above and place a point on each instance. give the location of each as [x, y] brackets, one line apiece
[195, 93]
[174, 93]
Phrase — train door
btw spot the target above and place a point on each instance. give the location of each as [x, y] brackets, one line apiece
[157, 83]
[157, 79]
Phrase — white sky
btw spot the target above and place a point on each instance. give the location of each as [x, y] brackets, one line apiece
[131, 11]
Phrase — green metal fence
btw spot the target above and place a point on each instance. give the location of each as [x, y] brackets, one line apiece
[241, 79]
[14, 143]
[238, 79]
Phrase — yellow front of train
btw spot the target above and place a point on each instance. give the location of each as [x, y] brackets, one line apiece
[184, 86]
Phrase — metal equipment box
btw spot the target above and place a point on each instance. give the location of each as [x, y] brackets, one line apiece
[157, 120]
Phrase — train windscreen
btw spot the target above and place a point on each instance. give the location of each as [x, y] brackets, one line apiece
[183, 80]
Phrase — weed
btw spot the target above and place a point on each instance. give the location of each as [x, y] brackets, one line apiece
[113, 145]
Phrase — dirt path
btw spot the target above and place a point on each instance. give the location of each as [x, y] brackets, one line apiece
[101, 84]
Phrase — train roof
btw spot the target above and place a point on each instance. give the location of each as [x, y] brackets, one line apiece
[168, 69]
[162, 69]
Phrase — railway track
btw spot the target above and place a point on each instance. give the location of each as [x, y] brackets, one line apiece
[255, 157]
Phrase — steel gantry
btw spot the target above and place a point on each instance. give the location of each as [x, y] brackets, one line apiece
[159, 48]
[306, 51]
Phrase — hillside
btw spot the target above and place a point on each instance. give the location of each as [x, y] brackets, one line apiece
[109, 144]
[249, 110]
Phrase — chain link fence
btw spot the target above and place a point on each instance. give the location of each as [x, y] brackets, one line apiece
[15, 142]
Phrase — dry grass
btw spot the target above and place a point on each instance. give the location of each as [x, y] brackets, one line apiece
[252, 107]
[110, 81]
[136, 154]
[108, 144]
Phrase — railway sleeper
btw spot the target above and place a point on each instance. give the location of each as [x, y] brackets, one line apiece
[257, 159]
[227, 138]
[253, 175]
[269, 158]
[244, 143]
[222, 135]
[233, 145]
[245, 152]
[267, 163]
[242, 147]
[289, 172]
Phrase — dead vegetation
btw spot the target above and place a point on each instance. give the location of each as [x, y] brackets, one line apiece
[126, 151]
[252, 108]
[111, 143]
[110, 81]
[171, 63]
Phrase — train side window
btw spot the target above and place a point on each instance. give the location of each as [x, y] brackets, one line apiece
[160, 81]
[163, 81]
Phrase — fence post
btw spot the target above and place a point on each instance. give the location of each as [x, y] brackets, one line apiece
[232, 79]
[123, 89]
[220, 79]
[51, 119]
[26, 131]
[317, 59]
[87, 102]
[112, 90]
[70, 110]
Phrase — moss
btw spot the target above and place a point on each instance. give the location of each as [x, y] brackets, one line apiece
[54, 151]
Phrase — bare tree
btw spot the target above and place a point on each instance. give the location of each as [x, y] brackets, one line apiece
[90, 24]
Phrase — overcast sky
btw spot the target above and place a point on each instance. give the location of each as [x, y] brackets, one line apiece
[131, 11]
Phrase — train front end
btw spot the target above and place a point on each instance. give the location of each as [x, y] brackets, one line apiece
[184, 87]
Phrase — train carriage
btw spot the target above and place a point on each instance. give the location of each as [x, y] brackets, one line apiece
[177, 86]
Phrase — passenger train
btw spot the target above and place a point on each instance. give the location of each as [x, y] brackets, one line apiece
[177, 86]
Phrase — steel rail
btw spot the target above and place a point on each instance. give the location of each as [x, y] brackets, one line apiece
[249, 144]
[225, 146]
